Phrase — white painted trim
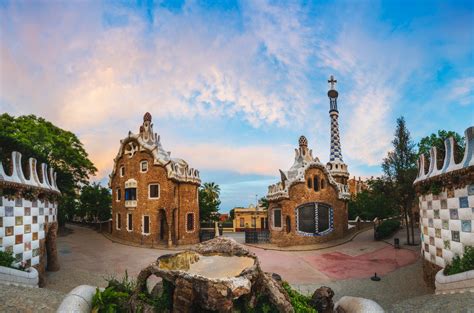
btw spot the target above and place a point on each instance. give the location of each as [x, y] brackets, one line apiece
[194, 223]
[159, 191]
[117, 193]
[122, 171]
[272, 215]
[141, 168]
[143, 225]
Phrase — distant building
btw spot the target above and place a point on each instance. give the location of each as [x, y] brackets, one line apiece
[252, 217]
[155, 197]
[224, 217]
[309, 204]
[356, 185]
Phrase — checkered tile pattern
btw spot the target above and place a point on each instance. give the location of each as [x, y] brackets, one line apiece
[336, 153]
[446, 224]
[22, 225]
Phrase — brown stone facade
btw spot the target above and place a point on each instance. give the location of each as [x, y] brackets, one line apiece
[169, 216]
[299, 194]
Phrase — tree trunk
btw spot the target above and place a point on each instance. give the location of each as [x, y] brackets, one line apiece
[412, 228]
[406, 225]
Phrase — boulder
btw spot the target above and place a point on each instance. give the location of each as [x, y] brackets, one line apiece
[357, 305]
[321, 300]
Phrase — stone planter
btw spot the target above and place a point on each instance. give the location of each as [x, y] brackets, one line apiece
[460, 282]
[11, 276]
[78, 300]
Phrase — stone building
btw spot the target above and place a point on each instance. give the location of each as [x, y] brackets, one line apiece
[28, 213]
[357, 185]
[309, 204]
[155, 196]
[253, 217]
[445, 189]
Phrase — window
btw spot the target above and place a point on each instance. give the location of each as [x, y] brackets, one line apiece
[310, 184]
[129, 222]
[314, 218]
[130, 194]
[288, 224]
[254, 222]
[119, 194]
[146, 224]
[122, 171]
[316, 183]
[118, 221]
[154, 191]
[242, 222]
[143, 166]
[190, 222]
[277, 218]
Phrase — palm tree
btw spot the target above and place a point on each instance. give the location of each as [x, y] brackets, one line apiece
[212, 189]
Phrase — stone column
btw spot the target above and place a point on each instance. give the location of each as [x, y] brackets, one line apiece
[170, 240]
[51, 249]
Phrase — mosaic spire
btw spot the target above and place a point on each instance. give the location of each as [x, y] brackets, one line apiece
[335, 154]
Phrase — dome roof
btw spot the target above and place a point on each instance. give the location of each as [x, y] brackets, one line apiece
[303, 141]
[147, 117]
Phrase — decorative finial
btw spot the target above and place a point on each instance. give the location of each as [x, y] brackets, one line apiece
[332, 82]
[147, 117]
[303, 141]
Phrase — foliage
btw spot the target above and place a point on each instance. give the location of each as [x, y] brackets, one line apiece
[36, 137]
[400, 170]
[109, 301]
[95, 202]
[387, 228]
[209, 202]
[161, 303]
[378, 201]
[300, 303]
[6, 259]
[437, 140]
[264, 202]
[232, 214]
[461, 264]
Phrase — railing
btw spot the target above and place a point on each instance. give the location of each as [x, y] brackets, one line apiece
[257, 236]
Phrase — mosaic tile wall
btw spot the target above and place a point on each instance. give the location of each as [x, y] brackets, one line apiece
[447, 224]
[22, 225]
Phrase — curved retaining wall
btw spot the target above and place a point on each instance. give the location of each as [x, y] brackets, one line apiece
[454, 283]
[11, 276]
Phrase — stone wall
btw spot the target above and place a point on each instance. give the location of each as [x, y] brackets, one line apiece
[299, 194]
[176, 200]
[445, 191]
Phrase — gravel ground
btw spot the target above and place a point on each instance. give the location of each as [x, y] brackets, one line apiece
[25, 300]
[459, 303]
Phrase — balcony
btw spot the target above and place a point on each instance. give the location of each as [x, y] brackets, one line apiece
[130, 204]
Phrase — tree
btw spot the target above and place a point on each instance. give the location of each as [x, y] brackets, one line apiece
[400, 170]
[209, 201]
[62, 150]
[95, 202]
[377, 201]
[437, 140]
[264, 202]
[232, 214]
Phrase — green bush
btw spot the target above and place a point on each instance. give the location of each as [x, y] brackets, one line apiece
[115, 296]
[387, 228]
[6, 259]
[299, 302]
[461, 264]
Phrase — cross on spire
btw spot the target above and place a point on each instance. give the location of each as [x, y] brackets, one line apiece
[332, 81]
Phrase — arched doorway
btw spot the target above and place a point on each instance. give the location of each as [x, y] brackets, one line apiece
[163, 231]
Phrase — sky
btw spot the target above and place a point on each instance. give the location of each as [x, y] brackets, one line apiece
[231, 85]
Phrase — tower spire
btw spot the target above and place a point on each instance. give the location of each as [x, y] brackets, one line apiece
[335, 154]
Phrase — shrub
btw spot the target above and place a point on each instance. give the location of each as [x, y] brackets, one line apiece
[461, 264]
[6, 259]
[387, 228]
[115, 296]
[299, 302]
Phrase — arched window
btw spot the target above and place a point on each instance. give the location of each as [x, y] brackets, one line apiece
[314, 218]
[310, 183]
[316, 183]
[143, 166]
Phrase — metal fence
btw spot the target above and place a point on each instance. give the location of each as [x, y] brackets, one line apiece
[257, 236]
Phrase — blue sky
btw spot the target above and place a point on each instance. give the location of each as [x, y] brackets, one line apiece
[232, 85]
